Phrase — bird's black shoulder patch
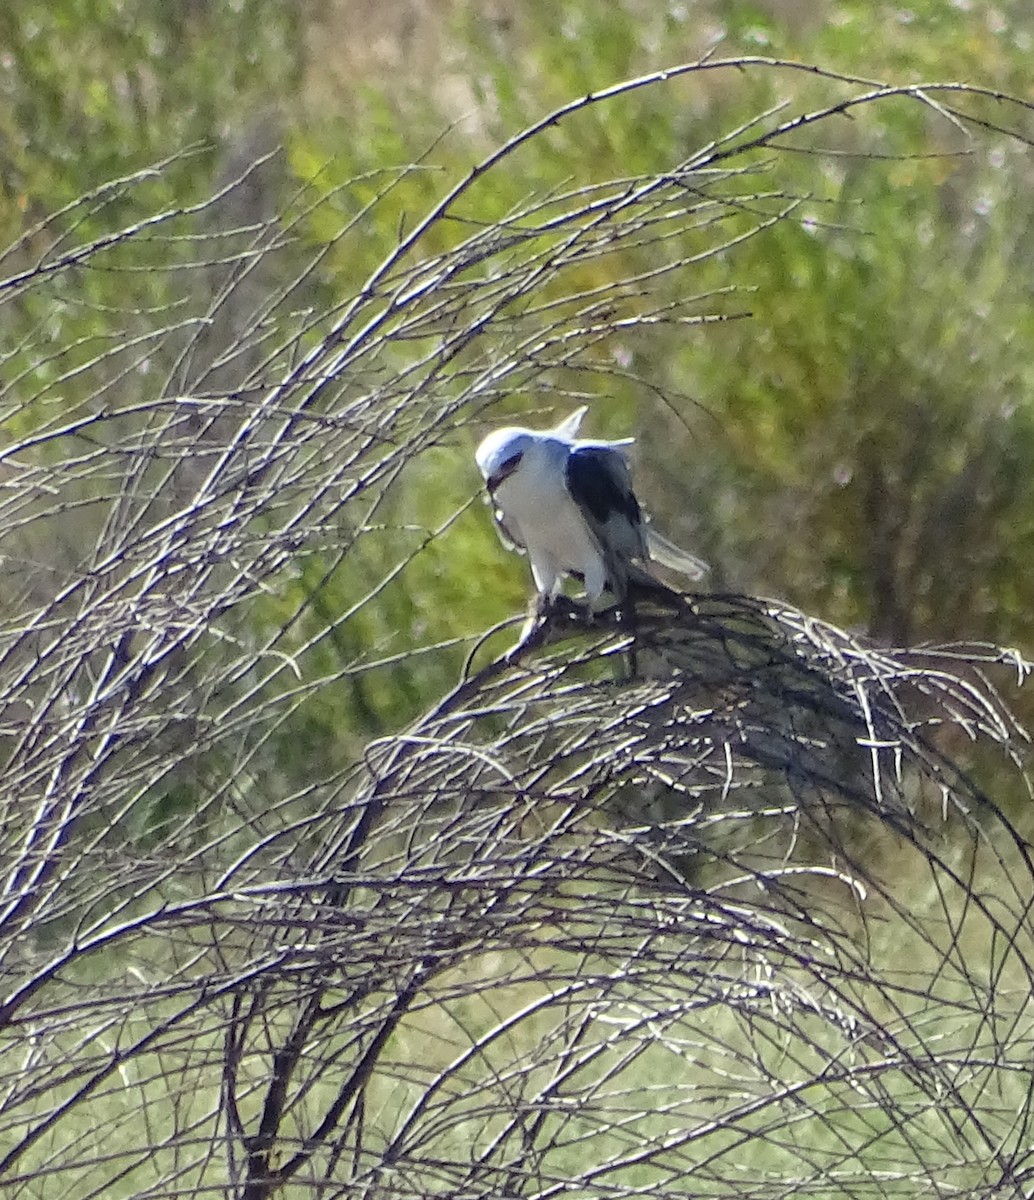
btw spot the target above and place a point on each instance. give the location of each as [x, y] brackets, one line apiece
[597, 480]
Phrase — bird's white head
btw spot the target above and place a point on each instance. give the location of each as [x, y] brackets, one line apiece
[504, 450]
[501, 453]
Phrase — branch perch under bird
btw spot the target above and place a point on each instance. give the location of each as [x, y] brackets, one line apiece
[756, 685]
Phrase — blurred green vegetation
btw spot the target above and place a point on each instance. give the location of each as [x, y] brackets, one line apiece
[859, 445]
[94, 96]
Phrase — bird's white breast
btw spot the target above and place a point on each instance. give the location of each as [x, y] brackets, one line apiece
[537, 507]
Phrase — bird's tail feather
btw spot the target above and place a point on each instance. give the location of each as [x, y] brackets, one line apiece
[667, 554]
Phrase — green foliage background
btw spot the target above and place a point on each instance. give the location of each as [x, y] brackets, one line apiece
[859, 445]
[853, 432]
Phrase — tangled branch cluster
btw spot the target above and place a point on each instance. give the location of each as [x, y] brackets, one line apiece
[618, 914]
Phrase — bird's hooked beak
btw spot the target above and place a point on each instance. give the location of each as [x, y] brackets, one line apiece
[506, 469]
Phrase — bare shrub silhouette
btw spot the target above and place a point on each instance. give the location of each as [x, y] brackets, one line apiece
[619, 913]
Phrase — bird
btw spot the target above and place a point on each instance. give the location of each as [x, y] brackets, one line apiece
[567, 502]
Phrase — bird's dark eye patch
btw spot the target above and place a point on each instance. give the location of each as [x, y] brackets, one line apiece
[506, 468]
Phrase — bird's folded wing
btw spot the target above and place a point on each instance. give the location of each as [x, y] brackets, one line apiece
[674, 557]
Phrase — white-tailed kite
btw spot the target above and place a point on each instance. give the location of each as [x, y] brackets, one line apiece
[568, 503]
